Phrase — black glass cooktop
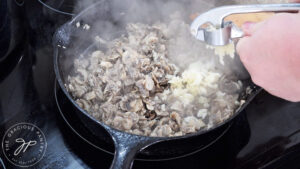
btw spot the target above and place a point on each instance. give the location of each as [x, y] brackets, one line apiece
[266, 135]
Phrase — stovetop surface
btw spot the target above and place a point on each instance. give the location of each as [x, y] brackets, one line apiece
[267, 135]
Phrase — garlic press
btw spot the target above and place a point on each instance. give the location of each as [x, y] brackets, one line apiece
[222, 32]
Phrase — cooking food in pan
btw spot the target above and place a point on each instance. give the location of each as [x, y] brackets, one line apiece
[137, 84]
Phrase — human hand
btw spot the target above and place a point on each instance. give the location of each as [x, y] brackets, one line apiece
[271, 54]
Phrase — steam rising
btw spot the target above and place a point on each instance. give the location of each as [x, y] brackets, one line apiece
[112, 17]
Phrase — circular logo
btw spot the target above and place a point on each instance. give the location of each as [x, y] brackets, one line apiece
[24, 144]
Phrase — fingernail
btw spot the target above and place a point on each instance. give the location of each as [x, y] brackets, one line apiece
[247, 25]
[248, 28]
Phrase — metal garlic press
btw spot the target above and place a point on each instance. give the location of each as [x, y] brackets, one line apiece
[220, 32]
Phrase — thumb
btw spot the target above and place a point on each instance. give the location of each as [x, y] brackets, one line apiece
[250, 27]
[243, 49]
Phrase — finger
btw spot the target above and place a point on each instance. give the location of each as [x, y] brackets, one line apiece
[245, 53]
[242, 44]
[242, 49]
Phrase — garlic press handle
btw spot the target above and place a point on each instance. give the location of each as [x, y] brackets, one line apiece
[227, 31]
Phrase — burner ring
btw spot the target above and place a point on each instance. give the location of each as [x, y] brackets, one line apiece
[57, 9]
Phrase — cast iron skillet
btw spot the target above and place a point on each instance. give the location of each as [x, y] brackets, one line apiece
[70, 42]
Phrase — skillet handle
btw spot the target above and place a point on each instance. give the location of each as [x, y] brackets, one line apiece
[124, 155]
[127, 146]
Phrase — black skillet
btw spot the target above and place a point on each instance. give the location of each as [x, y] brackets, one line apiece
[70, 42]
